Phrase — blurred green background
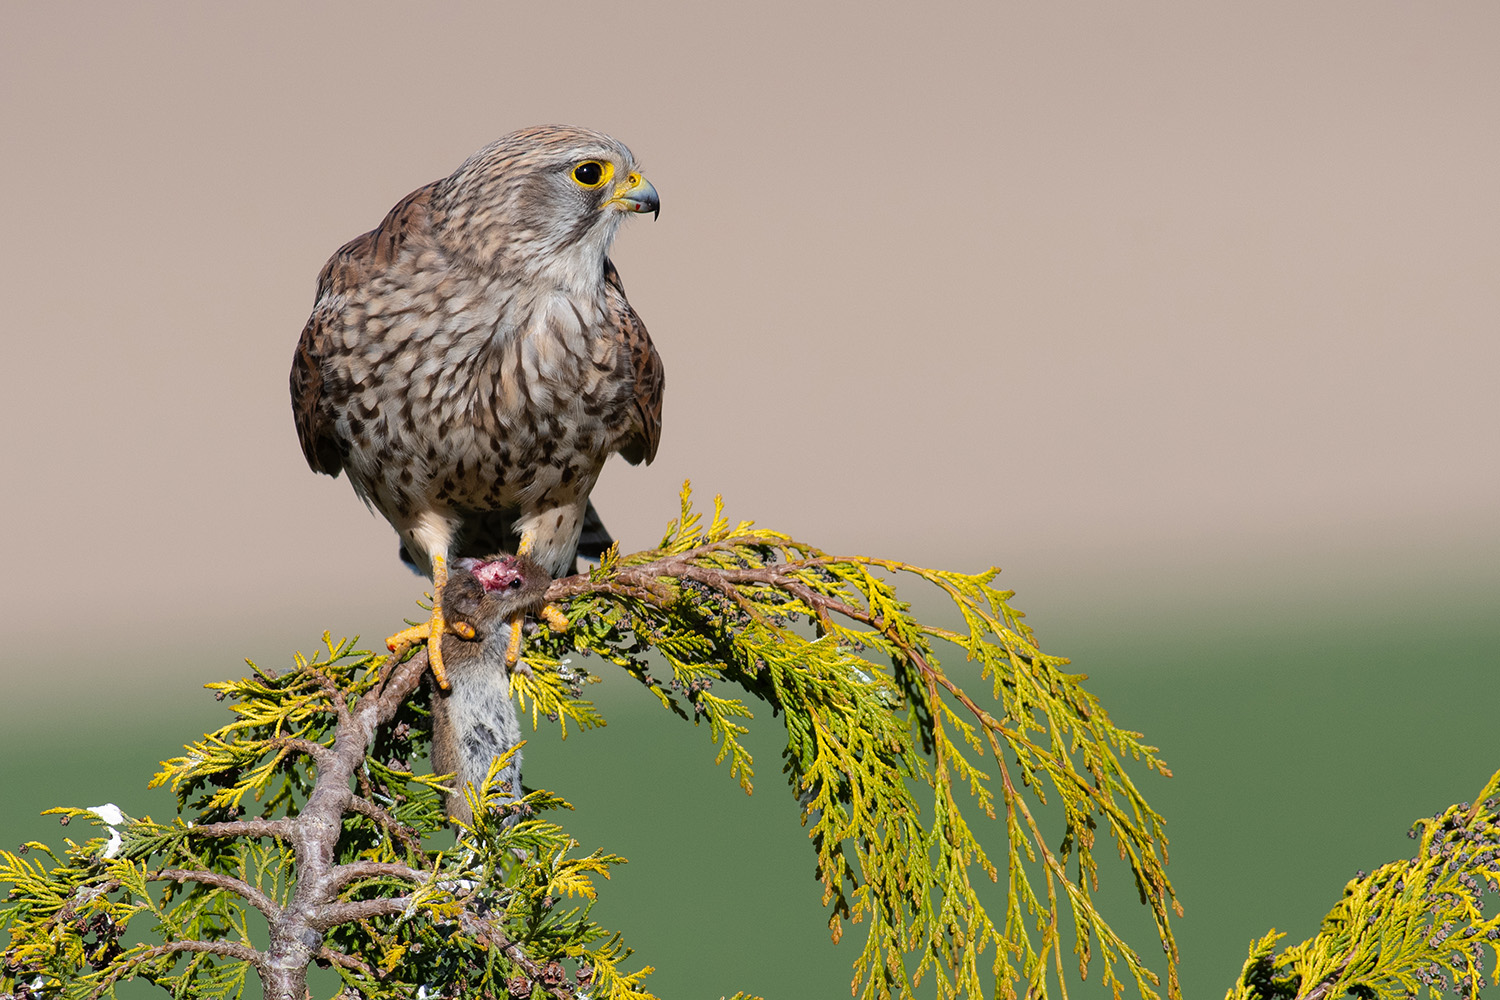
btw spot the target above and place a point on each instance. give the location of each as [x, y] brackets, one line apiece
[1304, 740]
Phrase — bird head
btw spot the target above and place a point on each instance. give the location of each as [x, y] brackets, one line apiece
[543, 201]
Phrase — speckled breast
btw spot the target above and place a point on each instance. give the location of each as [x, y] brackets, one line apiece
[483, 408]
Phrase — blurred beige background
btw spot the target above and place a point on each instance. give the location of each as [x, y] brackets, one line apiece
[1154, 305]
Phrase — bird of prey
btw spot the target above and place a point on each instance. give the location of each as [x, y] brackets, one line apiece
[472, 361]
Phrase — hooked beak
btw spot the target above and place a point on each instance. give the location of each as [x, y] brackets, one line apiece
[635, 194]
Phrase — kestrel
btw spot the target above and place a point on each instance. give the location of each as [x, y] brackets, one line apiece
[472, 361]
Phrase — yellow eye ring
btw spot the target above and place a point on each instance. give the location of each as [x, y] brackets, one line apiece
[593, 173]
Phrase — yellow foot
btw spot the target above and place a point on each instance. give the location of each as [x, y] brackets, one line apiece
[404, 640]
[555, 619]
[432, 630]
[513, 651]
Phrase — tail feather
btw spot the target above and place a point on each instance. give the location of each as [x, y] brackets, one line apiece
[595, 537]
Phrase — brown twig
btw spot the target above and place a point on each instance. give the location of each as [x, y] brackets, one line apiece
[486, 930]
[229, 949]
[1324, 987]
[353, 872]
[337, 957]
[317, 751]
[364, 807]
[265, 904]
[333, 914]
[278, 828]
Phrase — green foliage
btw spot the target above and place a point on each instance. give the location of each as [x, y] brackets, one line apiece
[198, 884]
[872, 718]
[891, 756]
[1410, 927]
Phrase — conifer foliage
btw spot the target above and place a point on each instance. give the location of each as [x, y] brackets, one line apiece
[1410, 928]
[306, 827]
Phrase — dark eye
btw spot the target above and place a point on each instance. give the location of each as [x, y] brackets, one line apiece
[589, 173]
[515, 584]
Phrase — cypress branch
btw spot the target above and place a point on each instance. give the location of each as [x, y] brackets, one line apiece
[890, 754]
[1409, 928]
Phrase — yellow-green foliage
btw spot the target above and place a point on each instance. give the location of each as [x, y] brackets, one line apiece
[871, 715]
[1409, 928]
[891, 754]
[72, 921]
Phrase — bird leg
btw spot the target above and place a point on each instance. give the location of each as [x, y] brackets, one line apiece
[432, 630]
[554, 617]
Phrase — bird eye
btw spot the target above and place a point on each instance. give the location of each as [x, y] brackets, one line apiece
[591, 173]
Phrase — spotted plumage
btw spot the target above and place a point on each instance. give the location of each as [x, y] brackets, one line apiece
[472, 361]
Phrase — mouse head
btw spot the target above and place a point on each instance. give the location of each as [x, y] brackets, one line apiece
[487, 592]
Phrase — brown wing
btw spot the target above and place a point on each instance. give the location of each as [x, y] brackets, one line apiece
[353, 265]
[646, 371]
[315, 432]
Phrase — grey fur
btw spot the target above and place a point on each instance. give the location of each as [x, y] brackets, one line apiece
[475, 720]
